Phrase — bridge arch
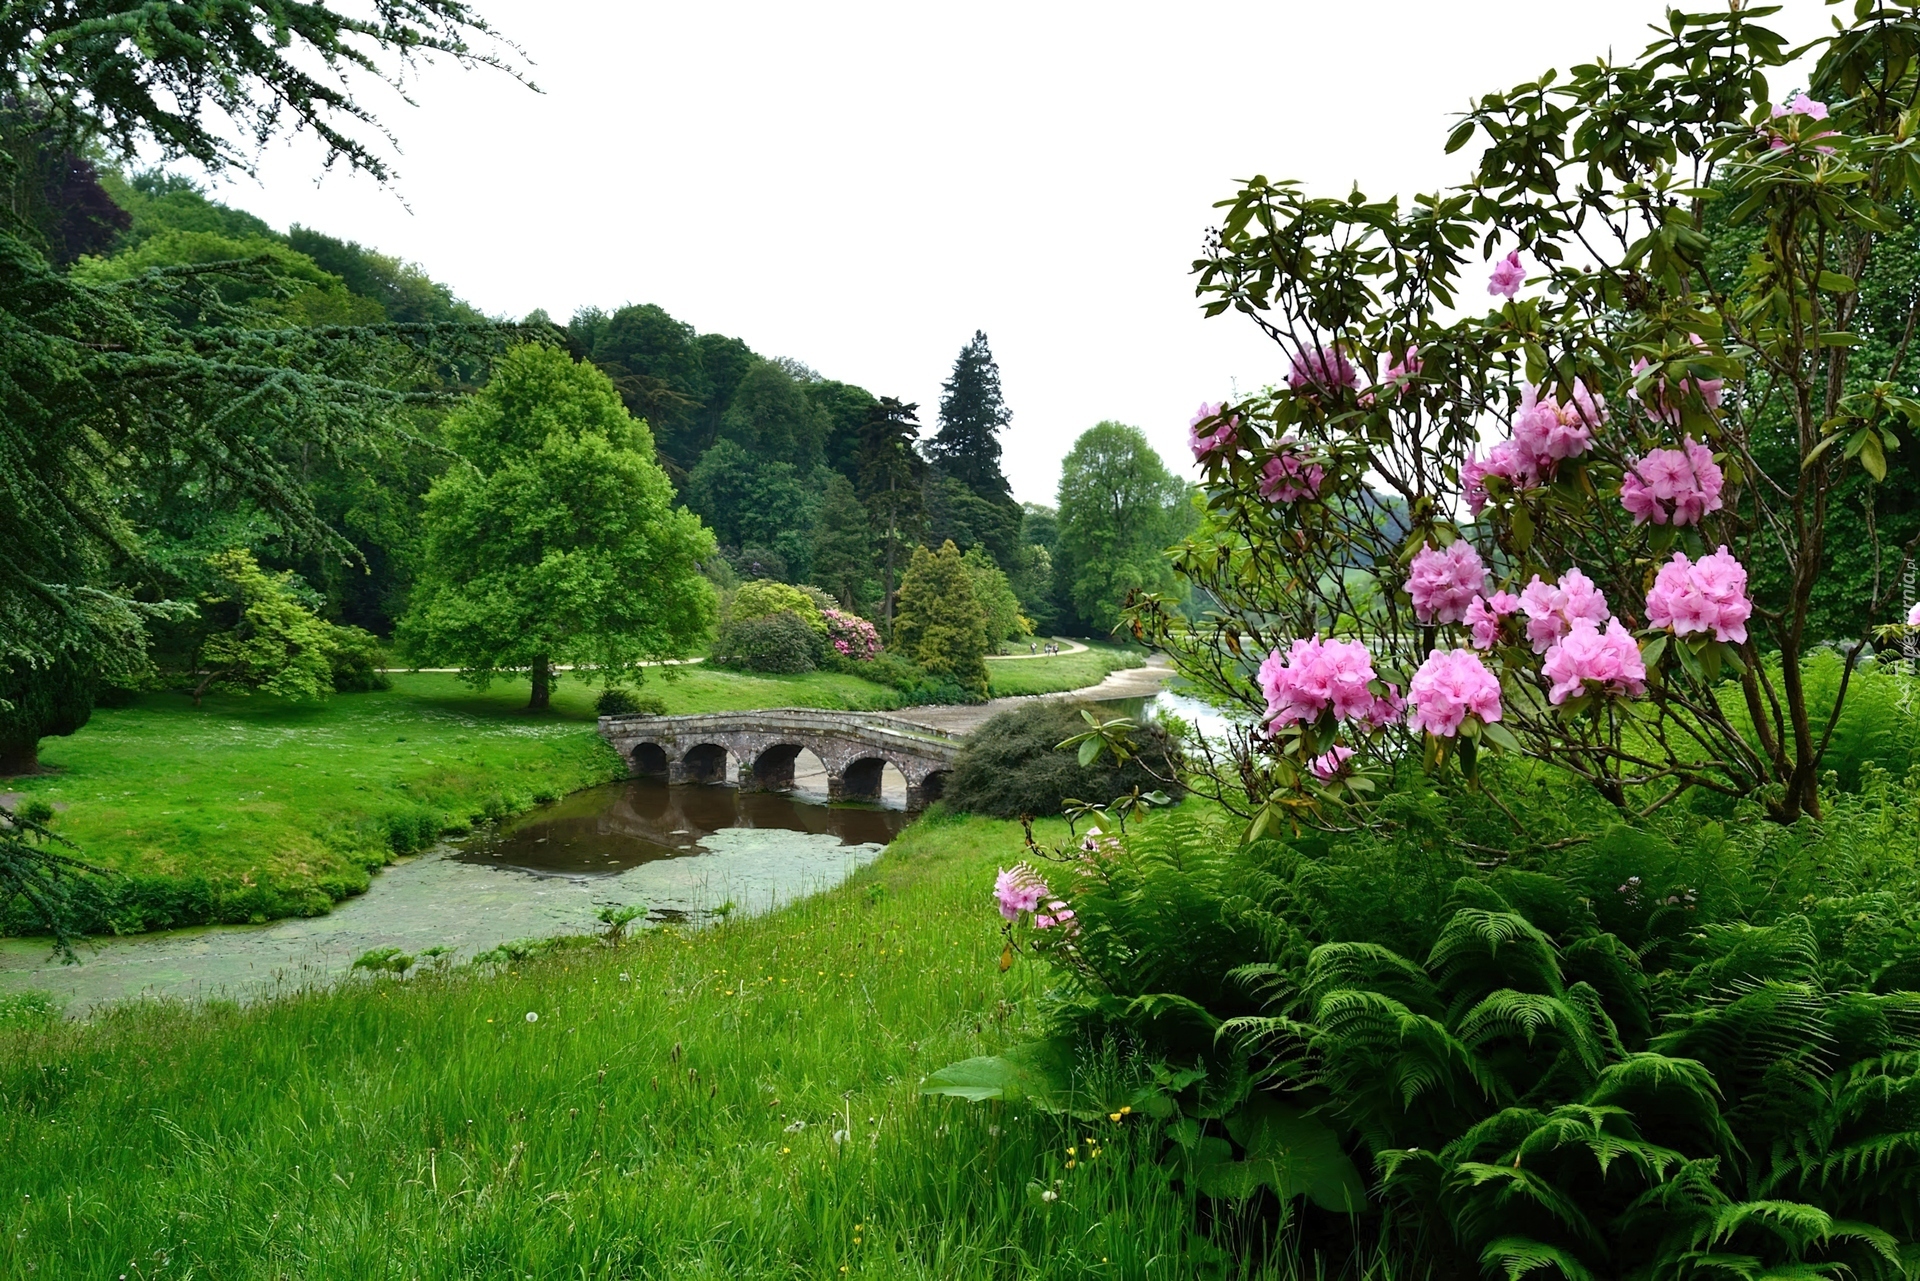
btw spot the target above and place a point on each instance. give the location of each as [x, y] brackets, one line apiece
[650, 760]
[704, 763]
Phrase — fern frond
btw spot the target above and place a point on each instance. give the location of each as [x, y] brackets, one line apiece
[1522, 1256]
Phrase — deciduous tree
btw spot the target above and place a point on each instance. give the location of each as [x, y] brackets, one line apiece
[940, 624]
[1120, 511]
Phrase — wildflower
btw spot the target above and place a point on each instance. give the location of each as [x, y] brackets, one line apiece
[1049, 1195]
[1484, 616]
[1320, 369]
[1708, 595]
[1019, 890]
[1206, 444]
[1444, 583]
[1318, 676]
[1450, 686]
[1326, 767]
[1587, 659]
[532, 1017]
[1678, 485]
[1288, 477]
[1508, 276]
[1552, 611]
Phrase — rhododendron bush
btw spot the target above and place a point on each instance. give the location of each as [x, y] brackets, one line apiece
[1526, 439]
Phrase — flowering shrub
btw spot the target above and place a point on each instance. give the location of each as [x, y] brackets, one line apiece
[851, 635]
[1483, 499]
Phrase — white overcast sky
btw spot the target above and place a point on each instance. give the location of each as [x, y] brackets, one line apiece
[861, 186]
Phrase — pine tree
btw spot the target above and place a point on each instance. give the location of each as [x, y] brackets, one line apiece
[843, 545]
[972, 414]
[891, 473]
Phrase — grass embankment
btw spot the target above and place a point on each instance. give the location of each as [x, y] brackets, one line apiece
[733, 1102]
[256, 808]
[1049, 674]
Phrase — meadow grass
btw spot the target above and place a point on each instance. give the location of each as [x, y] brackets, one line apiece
[253, 808]
[737, 1101]
[1015, 676]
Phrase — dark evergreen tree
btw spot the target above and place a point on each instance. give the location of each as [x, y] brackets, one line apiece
[972, 414]
[843, 545]
[891, 473]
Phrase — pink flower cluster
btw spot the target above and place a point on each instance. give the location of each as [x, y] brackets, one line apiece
[1587, 659]
[1398, 374]
[1444, 583]
[1545, 431]
[1288, 477]
[1318, 675]
[1508, 276]
[1450, 686]
[1485, 614]
[1208, 443]
[1678, 485]
[1020, 892]
[1552, 611]
[1707, 595]
[1801, 105]
[1548, 431]
[850, 634]
[1321, 369]
[1913, 616]
[1330, 764]
[1665, 400]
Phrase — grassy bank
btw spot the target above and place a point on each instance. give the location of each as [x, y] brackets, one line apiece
[1011, 676]
[735, 1102]
[256, 808]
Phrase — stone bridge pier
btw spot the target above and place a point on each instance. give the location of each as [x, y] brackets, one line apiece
[855, 747]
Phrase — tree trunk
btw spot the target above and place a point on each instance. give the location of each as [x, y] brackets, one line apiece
[542, 685]
[20, 757]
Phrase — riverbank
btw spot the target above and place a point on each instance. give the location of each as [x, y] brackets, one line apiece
[255, 809]
[737, 1101]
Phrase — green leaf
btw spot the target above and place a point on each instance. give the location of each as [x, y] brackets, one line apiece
[1458, 138]
[1500, 736]
[1294, 1154]
[1654, 650]
[1835, 283]
[1090, 750]
[1040, 1073]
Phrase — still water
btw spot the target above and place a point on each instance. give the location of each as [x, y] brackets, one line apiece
[681, 852]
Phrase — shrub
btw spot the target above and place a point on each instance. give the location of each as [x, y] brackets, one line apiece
[915, 683]
[616, 701]
[850, 635]
[1012, 766]
[781, 642]
[357, 661]
[1661, 1051]
[764, 598]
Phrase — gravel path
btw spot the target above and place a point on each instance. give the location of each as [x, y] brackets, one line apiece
[1130, 682]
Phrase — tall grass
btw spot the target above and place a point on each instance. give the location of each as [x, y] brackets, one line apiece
[734, 1102]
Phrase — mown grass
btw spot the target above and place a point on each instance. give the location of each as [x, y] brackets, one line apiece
[257, 808]
[1047, 675]
[733, 1102]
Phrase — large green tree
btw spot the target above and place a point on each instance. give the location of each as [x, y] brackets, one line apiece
[557, 542]
[941, 624]
[1120, 510]
[843, 545]
[972, 416]
[890, 475]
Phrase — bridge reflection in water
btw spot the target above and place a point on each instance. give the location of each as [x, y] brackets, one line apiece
[605, 830]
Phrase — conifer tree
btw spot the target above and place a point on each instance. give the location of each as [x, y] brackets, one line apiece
[972, 414]
[941, 624]
[890, 478]
[843, 544]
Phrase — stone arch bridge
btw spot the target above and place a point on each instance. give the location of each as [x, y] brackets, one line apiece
[854, 746]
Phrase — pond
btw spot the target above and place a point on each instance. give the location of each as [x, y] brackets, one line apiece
[682, 852]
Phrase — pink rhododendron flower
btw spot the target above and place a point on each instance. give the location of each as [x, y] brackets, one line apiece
[1219, 438]
[1664, 401]
[1551, 611]
[1588, 660]
[1387, 709]
[1331, 764]
[1679, 485]
[1316, 676]
[1321, 369]
[1547, 431]
[1801, 105]
[1057, 915]
[1408, 366]
[1450, 686]
[1019, 889]
[851, 634]
[1708, 595]
[1484, 615]
[1913, 616]
[1508, 276]
[1288, 476]
[1444, 583]
[1506, 460]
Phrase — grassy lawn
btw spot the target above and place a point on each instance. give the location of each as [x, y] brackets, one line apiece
[255, 808]
[733, 1102]
[1008, 677]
